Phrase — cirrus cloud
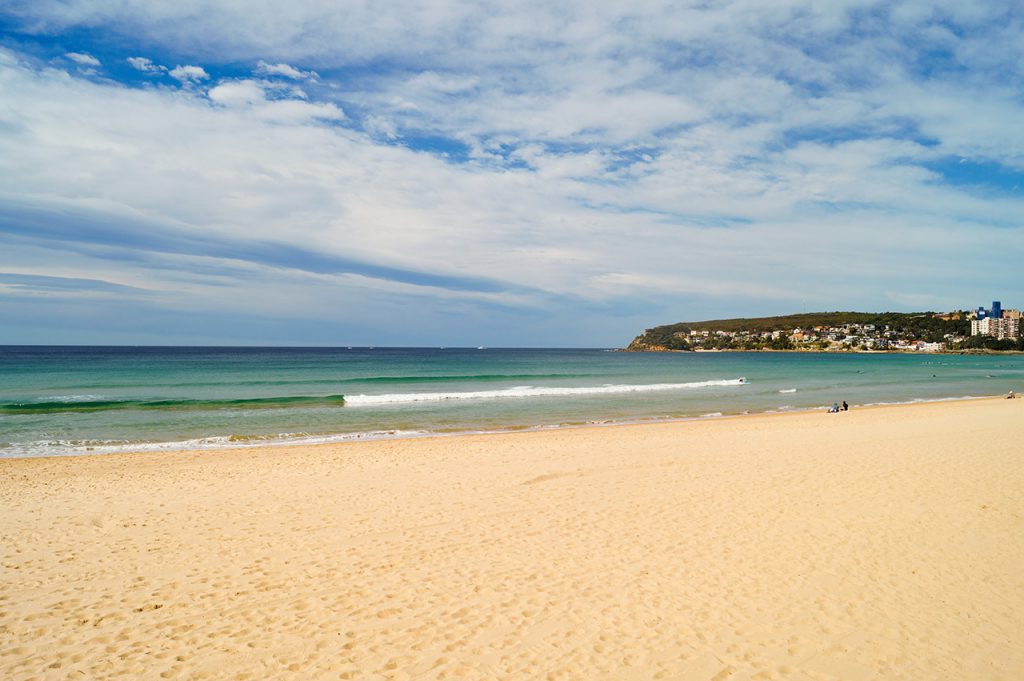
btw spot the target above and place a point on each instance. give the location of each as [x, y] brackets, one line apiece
[83, 59]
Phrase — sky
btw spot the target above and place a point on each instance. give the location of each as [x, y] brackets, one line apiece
[533, 174]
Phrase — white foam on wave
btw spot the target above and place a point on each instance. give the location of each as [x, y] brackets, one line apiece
[926, 400]
[522, 391]
[80, 447]
[69, 398]
[788, 390]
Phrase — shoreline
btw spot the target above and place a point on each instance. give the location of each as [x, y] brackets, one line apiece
[884, 542]
[227, 443]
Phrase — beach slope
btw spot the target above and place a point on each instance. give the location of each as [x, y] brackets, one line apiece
[883, 543]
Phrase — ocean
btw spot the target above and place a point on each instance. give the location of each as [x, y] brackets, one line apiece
[77, 400]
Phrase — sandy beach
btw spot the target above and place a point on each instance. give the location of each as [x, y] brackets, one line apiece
[883, 543]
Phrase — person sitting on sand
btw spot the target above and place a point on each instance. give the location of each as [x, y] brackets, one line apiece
[834, 409]
[846, 407]
[1010, 396]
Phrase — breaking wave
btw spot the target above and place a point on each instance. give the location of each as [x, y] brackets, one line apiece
[90, 403]
[531, 391]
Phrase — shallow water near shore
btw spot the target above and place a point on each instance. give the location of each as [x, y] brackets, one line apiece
[76, 400]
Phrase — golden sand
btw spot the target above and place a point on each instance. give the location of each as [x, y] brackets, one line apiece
[880, 543]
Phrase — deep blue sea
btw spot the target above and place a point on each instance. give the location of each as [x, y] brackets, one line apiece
[76, 400]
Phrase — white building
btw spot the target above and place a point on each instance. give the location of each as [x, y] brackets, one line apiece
[1007, 327]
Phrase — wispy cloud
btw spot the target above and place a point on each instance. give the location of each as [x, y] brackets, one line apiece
[145, 65]
[13, 283]
[284, 70]
[83, 59]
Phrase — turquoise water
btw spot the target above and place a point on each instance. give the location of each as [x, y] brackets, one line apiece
[71, 400]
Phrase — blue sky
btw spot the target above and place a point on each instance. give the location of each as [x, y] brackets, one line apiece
[502, 174]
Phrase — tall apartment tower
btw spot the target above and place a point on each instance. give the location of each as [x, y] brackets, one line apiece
[996, 312]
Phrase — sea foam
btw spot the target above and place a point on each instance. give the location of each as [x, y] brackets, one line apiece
[524, 391]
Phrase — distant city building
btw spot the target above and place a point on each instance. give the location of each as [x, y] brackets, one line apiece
[998, 327]
[995, 312]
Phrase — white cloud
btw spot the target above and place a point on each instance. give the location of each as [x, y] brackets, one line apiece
[189, 74]
[287, 105]
[285, 70]
[83, 59]
[431, 81]
[238, 93]
[380, 127]
[145, 65]
[616, 152]
[292, 111]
